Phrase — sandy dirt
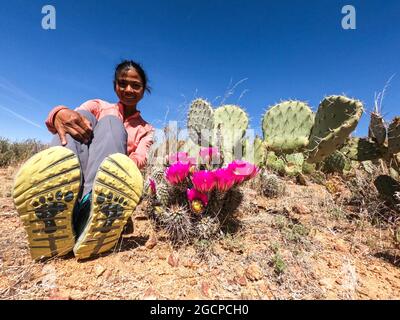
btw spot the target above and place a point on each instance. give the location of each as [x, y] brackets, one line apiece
[302, 245]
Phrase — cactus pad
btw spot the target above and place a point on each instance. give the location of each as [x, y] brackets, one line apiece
[200, 122]
[336, 118]
[287, 125]
[255, 152]
[232, 122]
[359, 149]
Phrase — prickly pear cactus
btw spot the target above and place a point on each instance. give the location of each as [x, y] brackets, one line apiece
[200, 122]
[255, 152]
[377, 128]
[336, 118]
[232, 122]
[287, 126]
[294, 164]
[191, 148]
[394, 136]
[275, 163]
[359, 149]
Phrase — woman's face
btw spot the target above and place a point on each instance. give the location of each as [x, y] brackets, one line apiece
[129, 87]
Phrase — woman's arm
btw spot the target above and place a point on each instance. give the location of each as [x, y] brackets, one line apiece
[62, 120]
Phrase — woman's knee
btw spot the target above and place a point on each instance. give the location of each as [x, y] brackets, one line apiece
[88, 115]
[113, 124]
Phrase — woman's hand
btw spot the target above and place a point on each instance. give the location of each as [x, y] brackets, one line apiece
[69, 121]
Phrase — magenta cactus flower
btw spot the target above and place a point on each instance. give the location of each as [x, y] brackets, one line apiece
[225, 179]
[198, 201]
[210, 154]
[204, 181]
[243, 170]
[177, 173]
[152, 184]
[182, 157]
[193, 194]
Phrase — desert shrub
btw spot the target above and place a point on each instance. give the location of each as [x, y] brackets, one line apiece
[12, 153]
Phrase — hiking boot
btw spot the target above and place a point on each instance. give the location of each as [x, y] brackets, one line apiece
[45, 191]
[116, 192]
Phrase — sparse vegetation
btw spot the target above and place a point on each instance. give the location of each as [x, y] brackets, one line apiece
[12, 153]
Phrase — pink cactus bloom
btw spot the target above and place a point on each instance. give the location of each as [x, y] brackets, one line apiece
[225, 179]
[182, 157]
[177, 173]
[204, 181]
[152, 186]
[243, 170]
[193, 194]
[210, 154]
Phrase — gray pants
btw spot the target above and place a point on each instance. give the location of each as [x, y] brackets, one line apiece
[109, 136]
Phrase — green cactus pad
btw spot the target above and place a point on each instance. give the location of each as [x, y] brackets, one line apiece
[191, 148]
[232, 122]
[254, 153]
[200, 122]
[377, 129]
[275, 163]
[287, 126]
[394, 136]
[336, 118]
[359, 149]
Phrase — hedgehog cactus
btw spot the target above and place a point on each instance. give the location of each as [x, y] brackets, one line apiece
[336, 162]
[272, 186]
[287, 126]
[336, 118]
[207, 227]
[177, 222]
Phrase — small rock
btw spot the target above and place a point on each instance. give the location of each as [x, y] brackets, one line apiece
[301, 179]
[107, 274]
[99, 270]
[173, 260]
[150, 294]
[263, 288]
[151, 243]
[300, 209]
[188, 263]
[205, 289]
[254, 273]
[241, 281]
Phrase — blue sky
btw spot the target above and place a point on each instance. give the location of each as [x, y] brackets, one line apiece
[272, 50]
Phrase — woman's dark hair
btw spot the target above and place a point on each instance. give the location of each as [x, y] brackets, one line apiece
[130, 64]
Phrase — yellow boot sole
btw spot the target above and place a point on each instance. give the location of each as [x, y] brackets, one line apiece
[116, 192]
[45, 191]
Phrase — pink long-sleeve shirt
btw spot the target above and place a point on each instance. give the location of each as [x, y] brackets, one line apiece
[140, 133]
